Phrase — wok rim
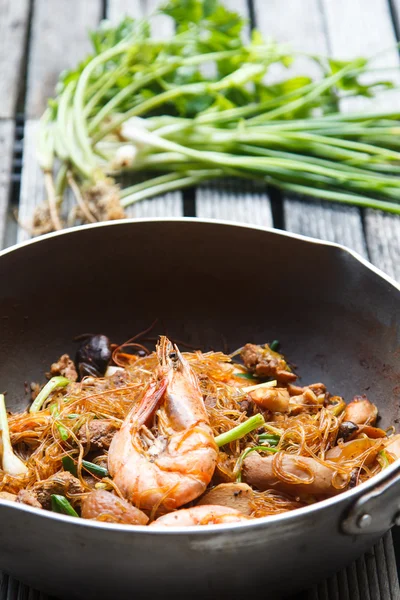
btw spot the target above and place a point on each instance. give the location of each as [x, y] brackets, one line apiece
[199, 531]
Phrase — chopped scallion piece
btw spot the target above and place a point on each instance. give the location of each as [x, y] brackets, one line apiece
[266, 384]
[95, 469]
[273, 440]
[11, 463]
[240, 430]
[60, 504]
[69, 465]
[54, 383]
[245, 376]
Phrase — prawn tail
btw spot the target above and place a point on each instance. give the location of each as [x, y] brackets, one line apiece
[149, 402]
[164, 349]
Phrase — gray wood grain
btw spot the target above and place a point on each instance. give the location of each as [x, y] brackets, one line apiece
[365, 28]
[32, 187]
[56, 45]
[301, 25]
[396, 7]
[234, 200]
[6, 154]
[171, 204]
[13, 28]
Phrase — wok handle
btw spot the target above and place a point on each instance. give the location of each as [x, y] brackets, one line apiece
[377, 510]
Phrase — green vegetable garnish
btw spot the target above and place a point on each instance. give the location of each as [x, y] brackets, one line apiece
[60, 504]
[383, 459]
[53, 384]
[69, 465]
[95, 469]
[240, 430]
[149, 106]
[274, 345]
[273, 440]
[245, 376]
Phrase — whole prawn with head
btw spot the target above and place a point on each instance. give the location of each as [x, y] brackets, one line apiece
[164, 455]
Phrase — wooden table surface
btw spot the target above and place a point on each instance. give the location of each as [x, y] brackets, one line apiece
[39, 38]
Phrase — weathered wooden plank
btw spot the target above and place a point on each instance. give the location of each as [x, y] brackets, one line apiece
[170, 204]
[301, 25]
[59, 41]
[396, 11]
[13, 28]
[6, 153]
[234, 200]
[365, 28]
[32, 186]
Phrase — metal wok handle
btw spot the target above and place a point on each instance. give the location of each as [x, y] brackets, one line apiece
[376, 511]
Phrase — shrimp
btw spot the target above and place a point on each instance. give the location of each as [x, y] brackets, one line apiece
[207, 514]
[164, 455]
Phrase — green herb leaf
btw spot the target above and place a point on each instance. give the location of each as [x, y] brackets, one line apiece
[69, 465]
[60, 504]
[95, 469]
[53, 384]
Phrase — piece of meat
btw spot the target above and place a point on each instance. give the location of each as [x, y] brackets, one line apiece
[101, 505]
[319, 389]
[258, 472]
[273, 399]
[8, 496]
[62, 483]
[361, 411]
[98, 433]
[65, 367]
[302, 403]
[354, 448]
[28, 497]
[234, 495]
[264, 362]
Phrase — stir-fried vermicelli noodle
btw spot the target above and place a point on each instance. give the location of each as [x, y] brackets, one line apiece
[129, 435]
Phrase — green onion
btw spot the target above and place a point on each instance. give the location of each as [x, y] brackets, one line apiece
[383, 459]
[95, 469]
[240, 430]
[69, 465]
[274, 345]
[176, 124]
[11, 463]
[60, 504]
[257, 386]
[245, 376]
[239, 462]
[53, 384]
[272, 439]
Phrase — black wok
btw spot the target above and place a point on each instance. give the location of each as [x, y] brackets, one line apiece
[211, 284]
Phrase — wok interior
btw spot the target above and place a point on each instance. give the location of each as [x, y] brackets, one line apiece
[210, 285]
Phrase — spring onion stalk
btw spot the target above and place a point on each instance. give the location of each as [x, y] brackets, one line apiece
[53, 384]
[147, 107]
[257, 386]
[69, 465]
[11, 463]
[240, 430]
[270, 438]
[60, 504]
[95, 469]
[274, 345]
